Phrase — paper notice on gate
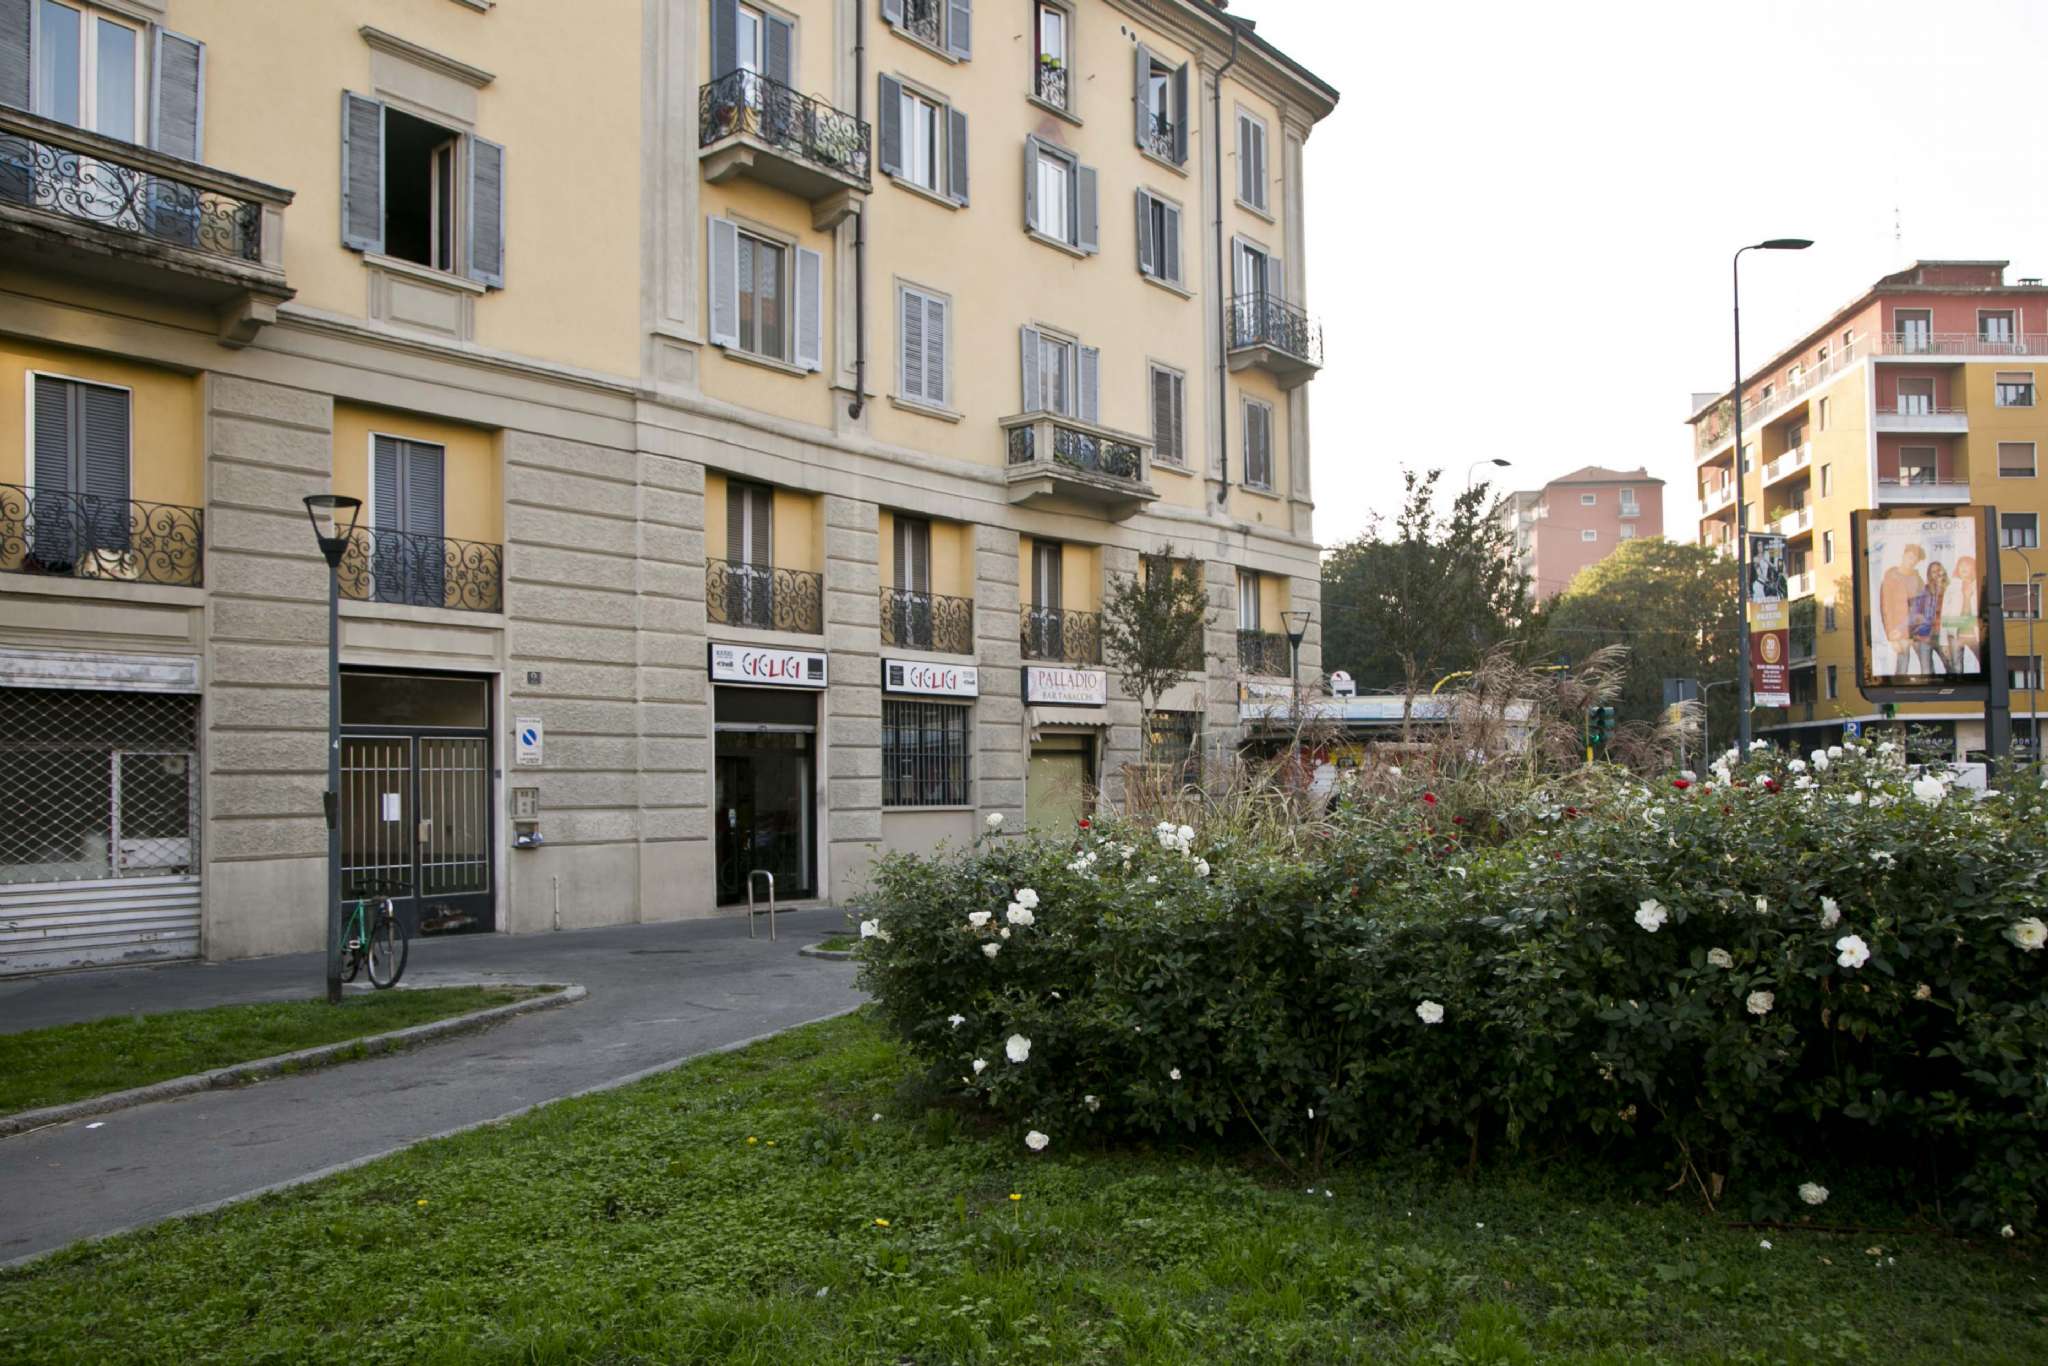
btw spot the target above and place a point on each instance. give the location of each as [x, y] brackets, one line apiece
[391, 812]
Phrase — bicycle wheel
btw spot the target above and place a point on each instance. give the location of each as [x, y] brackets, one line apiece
[387, 949]
[351, 958]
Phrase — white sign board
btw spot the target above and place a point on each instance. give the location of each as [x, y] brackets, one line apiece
[767, 666]
[528, 737]
[934, 680]
[1049, 685]
[1342, 685]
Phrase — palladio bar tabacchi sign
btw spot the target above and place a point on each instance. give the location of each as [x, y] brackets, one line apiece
[1049, 686]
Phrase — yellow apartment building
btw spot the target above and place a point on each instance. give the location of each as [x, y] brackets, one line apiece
[1925, 391]
[750, 406]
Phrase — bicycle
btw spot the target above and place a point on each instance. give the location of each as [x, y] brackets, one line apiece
[381, 942]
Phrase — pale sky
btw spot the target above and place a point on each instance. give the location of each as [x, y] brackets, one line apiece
[1520, 216]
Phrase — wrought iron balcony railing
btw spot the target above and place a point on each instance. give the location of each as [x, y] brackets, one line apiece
[1162, 138]
[79, 536]
[763, 597]
[1077, 449]
[1263, 653]
[422, 571]
[1057, 634]
[927, 621]
[925, 20]
[1051, 85]
[45, 175]
[796, 125]
[1268, 320]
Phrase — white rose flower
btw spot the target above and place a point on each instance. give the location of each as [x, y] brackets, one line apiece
[979, 1064]
[956, 1020]
[979, 919]
[1834, 751]
[1819, 759]
[1093, 1103]
[870, 928]
[1720, 958]
[1855, 953]
[1036, 1141]
[2006, 1232]
[1830, 913]
[1763, 906]
[1760, 1002]
[1027, 898]
[1813, 1193]
[1020, 914]
[1151, 878]
[1797, 765]
[1201, 867]
[991, 950]
[1173, 1075]
[1854, 799]
[1004, 932]
[995, 820]
[1650, 914]
[1430, 1013]
[1929, 789]
[1923, 992]
[1017, 1048]
[1187, 834]
[1688, 775]
[2030, 934]
[1764, 1243]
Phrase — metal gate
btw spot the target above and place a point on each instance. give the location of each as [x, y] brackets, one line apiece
[416, 818]
[99, 828]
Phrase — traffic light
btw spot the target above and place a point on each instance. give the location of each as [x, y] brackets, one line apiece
[1599, 725]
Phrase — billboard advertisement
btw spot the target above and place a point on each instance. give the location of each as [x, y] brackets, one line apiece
[1923, 599]
[1770, 626]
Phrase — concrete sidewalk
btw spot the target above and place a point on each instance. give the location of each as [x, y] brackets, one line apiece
[658, 994]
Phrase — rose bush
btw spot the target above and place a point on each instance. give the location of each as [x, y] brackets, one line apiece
[1762, 978]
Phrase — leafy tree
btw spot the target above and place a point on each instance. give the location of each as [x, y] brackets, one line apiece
[1672, 605]
[1432, 594]
[1153, 624]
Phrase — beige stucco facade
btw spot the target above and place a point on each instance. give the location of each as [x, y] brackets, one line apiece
[558, 382]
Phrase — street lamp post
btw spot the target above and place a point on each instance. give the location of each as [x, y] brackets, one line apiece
[1741, 510]
[1473, 468]
[1297, 631]
[326, 511]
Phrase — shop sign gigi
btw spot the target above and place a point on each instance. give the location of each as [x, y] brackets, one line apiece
[935, 680]
[767, 667]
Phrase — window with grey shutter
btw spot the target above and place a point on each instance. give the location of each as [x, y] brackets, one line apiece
[725, 41]
[487, 212]
[408, 499]
[889, 125]
[725, 282]
[1091, 384]
[15, 22]
[1167, 397]
[1148, 261]
[1086, 230]
[777, 43]
[1258, 445]
[935, 343]
[1180, 114]
[810, 309]
[1028, 344]
[921, 351]
[956, 155]
[1251, 160]
[960, 28]
[749, 554]
[362, 173]
[1158, 238]
[177, 96]
[80, 469]
[1047, 574]
[913, 554]
[892, 11]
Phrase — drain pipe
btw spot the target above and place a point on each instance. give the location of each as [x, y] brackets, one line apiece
[860, 229]
[1222, 272]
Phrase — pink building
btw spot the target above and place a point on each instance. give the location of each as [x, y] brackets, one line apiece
[1579, 519]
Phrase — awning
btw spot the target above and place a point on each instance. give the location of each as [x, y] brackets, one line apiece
[1065, 718]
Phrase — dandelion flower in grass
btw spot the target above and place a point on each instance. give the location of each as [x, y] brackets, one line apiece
[881, 1223]
[1036, 1141]
[1014, 1195]
[751, 1140]
[1720, 958]
[1813, 1193]
[979, 918]
[2029, 934]
[1854, 952]
[956, 1020]
[419, 1202]
[1017, 1048]
[1173, 1075]
[1651, 915]
[995, 820]
[979, 1064]
[991, 950]
[1760, 1002]
[1430, 1012]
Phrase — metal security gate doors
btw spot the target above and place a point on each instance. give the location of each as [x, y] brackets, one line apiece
[416, 799]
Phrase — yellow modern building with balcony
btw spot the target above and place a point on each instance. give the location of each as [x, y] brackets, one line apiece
[1923, 392]
[750, 408]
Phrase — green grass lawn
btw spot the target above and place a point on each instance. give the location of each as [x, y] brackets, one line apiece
[731, 1211]
[41, 1067]
[838, 943]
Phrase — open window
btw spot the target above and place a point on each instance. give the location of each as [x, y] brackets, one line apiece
[1161, 97]
[419, 191]
[1059, 196]
[921, 140]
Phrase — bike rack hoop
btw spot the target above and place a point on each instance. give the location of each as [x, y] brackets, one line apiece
[752, 910]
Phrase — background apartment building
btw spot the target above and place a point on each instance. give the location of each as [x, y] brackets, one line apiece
[1577, 520]
[750, 403]
[1922, 391]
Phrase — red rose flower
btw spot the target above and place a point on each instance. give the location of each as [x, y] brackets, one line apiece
[1770, 784]
[1084, 822]
[1681, 783]
[1429, 798]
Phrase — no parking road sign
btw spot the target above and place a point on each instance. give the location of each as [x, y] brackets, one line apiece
[529, 735]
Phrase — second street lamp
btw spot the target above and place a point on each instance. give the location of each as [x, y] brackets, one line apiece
[1297, 631]
[1742, 512]
[1473, 468]
[334, 526]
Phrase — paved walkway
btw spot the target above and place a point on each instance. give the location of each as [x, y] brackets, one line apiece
[658, 994]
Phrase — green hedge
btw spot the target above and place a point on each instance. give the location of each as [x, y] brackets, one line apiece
[1664, 973]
